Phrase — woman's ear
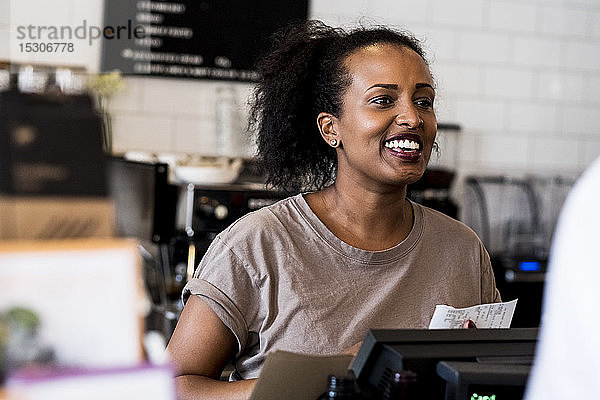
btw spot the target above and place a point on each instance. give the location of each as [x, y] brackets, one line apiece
[326, 124]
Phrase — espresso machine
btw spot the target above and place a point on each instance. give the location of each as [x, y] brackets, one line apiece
[515, 217]
[175, 224]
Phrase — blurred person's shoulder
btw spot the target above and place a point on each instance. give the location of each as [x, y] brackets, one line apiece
[587, 187]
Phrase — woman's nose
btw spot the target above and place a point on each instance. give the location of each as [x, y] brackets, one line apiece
[409, 117]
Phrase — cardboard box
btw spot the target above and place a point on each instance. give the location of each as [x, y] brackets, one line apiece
[53, 181]
[55, 217]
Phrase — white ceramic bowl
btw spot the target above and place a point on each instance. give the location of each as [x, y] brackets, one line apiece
[206, 174]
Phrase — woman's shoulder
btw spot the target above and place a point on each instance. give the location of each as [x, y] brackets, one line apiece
[268, 219]
[440, 222]
[251, 237]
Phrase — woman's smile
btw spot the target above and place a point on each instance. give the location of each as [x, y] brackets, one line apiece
[408, 147]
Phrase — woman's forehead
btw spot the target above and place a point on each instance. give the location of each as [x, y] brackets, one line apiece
[387, 61]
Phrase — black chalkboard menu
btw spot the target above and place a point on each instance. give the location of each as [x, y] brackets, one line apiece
[203, 39]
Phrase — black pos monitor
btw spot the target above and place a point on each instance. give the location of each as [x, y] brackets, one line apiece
[449, 364]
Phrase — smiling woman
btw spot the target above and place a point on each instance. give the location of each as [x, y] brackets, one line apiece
[387, 121]
[347, 119]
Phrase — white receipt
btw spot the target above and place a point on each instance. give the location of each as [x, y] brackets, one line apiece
[493, 315]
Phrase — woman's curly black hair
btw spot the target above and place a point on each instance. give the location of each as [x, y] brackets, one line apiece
[302, 75]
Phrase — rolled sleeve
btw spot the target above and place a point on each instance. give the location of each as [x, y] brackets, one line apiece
[227, 286]
[222, 305]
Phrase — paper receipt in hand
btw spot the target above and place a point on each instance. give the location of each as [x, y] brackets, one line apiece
[493, 315]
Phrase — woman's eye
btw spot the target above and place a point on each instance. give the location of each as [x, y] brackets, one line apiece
[383, 100]
[424, 103]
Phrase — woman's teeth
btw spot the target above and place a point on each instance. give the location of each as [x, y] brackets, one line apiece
[402, 144]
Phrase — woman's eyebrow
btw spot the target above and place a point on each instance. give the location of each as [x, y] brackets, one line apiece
[422, 85]
[391, 86]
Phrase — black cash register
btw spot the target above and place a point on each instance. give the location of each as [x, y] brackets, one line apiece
[449, 364]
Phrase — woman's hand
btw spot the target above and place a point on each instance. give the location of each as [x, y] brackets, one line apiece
[469, 325]
[353, 350]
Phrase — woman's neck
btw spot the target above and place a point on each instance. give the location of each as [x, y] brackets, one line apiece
[366, 219]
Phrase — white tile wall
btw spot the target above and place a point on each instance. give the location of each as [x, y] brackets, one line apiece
[4, 12]
[502, 150]
[445, 109]
[5, 38]
[90, 10]
[582, 54]
[589, 151]
[567, 87]
[185, 114]
[592, 88]
[183, 97]
[440, 43]
[484, 117]
[195, 136]
[130, 98]
[509, 83]
[509, 71]
[538, 51]
[459, 13]
[593, 24]
[581, 120]
[520, 17]
[483, 47]
[142, 132]
[40, 13]
[468, 152]
[554, 153]
[350, 7]
[524, 117]
[565, 22]
[396, 11]
[458, 78]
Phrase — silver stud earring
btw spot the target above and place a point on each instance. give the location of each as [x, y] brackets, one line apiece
[334, 143]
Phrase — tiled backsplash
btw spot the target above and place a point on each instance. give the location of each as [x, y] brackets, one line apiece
[521, 77]
[171, 115]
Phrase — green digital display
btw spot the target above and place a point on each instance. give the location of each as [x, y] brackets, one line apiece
[476, 396]
[495, 392]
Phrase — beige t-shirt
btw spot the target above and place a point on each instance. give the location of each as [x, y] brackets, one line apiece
[279, 279]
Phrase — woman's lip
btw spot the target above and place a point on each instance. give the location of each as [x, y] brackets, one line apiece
[411, 156]
[408, 156]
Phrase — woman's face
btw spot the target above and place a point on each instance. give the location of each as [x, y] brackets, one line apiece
[387, 124]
